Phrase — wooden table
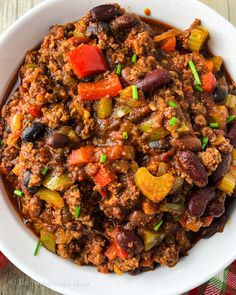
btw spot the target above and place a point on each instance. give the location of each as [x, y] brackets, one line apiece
[12, 280]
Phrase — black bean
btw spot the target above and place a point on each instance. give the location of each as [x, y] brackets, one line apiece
[192, 167]
[199, 199]
[222, 168]
[32, 133]
[105, 13]
[216, 226]
[57, 140]
[155, 79]
[129, 241]
[221, 90]
[31, 189]
[232, 134]
[139, 218]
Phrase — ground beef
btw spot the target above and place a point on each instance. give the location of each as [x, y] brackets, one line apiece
[210, 158]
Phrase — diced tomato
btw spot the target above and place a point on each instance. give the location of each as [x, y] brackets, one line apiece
[109, 86]
[111, 252]
[83, 155]
[87, 60]
[208, 82]
[103, 177]
[121, 253]
[34, 110]
[169, 45]
[210, 65]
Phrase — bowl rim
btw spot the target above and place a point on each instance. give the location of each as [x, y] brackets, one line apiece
[29, 269]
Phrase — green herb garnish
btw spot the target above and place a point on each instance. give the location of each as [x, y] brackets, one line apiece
[45, 170]
[195, 73]
[125, 135]
[135, 92]
[1, 142]
[37, 248]
[18, 193]
[204, 142]
[173, 104]
[158, 225]
[173, 121]
[230, 118]
[214, 125]
[118, 69]
[134, 58]
[103, 158]
[198, 88]
[77, 212]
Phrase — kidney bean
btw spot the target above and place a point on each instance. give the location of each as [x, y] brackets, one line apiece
[199, 199]
[216, 226]
[153, 80]
[35, 207]
[232, 134]
[32, 133]
[221, 90]
[31, 189]
[222, 168]
[129, 241]
[188, 142]
[105, 12]
[57, 140]
[193, 167]
[139, 218]
[125, 22]
[215, 208]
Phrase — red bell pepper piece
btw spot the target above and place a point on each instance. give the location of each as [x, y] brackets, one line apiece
[103, 177]
[208, 82]
[86, 61]
[103, 194]
[109, 86]
[121, 253]
[83, 155]
[34, 110]
[169, 45]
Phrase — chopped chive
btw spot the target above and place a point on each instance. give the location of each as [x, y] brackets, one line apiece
[18, 193]
[230, 118]
[1, 142]
[25, 221]
[158, 225]
[204, 142]
[198, 88]
[103, 158]
[135, 92]
[45, 170]
[214, 125]
[173, 121]
[173, 104]
[118, 69]
[125, 135]
[37, 248]
[134, 58]
[195, 73]
[77, 212]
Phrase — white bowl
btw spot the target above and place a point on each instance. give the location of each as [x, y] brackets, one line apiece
[206, 259]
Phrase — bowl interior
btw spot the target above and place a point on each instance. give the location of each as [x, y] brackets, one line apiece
[207, 258]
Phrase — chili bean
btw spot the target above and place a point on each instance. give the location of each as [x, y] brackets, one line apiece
[57, 140]
[188, 142]
[31, 189]
[215, 208]
[153, 80]
[125, 22]
[129, 241]
[106, 12]
[221, 90]
[193, 167]
[232, 134]
[199, 199]
[216, 226]
[32, 133]
[35, 207]
[139, 218]
[222, 168]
